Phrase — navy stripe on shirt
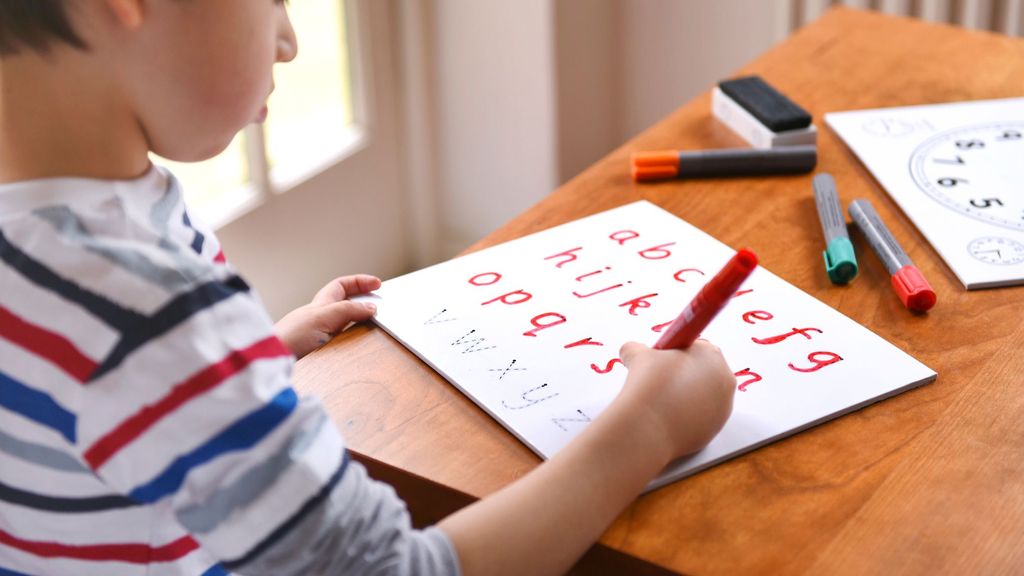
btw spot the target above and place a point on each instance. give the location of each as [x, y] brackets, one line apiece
[181, 308]
[110, 313]
[197, 241]
[60, 504]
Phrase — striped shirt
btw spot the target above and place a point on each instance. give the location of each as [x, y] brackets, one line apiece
[147, 422]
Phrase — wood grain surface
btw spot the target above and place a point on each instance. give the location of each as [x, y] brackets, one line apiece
[930, 481]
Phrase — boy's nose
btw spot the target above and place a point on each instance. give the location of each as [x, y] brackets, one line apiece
[287, 43]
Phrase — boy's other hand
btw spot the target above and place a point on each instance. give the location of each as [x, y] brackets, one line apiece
[686, 395]
[309, 327]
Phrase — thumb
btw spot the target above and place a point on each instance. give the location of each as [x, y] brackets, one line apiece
[629, 351]
[335, 317]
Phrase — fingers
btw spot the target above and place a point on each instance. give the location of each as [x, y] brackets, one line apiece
[345, 287]
[332, 318]
[629, 351]
[359, 284]
[711, 356]
[702, 346]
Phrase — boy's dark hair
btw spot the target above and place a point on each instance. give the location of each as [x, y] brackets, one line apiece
[35, 24]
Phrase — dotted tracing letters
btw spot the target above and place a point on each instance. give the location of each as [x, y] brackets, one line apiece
[581, 418]
[507, 369]
[467, 344]
[527, 402]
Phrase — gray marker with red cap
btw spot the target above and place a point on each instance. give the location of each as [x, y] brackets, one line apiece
[907, 280]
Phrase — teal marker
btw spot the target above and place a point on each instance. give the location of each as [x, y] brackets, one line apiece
[840, 261]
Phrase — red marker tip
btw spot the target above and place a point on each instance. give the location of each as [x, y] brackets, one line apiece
[913, 290]
[711, 298]
[746, 258]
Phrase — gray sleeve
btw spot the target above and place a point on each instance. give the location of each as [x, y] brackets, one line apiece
[361, 527]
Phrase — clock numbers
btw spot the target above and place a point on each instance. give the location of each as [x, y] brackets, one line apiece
[975, 171]
[969, 144]
[950, 182]
[986, 202]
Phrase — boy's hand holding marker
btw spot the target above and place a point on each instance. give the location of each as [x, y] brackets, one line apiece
[701, 386]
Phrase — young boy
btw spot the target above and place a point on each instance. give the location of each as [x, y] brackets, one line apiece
[147, 424]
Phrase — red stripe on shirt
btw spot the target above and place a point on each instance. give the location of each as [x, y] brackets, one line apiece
[133, 553]
[45, 344]
[207, 378]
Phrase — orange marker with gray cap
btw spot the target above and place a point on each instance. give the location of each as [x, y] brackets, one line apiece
[666, 164]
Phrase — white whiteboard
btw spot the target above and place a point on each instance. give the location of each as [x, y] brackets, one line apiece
[956, 170]
[613, 277]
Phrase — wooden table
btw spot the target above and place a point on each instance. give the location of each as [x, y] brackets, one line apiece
[929, 481]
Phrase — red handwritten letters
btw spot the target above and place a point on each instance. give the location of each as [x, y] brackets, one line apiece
[584, 273]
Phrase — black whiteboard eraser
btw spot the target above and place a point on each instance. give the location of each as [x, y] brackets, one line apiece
[765, 103]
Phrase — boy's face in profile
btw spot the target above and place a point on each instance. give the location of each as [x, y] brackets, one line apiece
[194, 72]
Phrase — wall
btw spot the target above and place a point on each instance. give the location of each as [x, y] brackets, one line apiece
[495, 113]
[587, 59]
[623, 65]
[531, 92]
[673, 50]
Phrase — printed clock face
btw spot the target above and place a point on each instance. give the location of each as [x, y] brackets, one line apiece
[997, 250]
[977, 171]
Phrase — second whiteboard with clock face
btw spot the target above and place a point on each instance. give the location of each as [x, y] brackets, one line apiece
[957, 170]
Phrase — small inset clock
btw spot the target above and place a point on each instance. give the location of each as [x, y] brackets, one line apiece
[888, 127]
[997, 250]
[968, 170]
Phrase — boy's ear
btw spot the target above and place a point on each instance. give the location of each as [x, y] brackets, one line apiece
[127, 12]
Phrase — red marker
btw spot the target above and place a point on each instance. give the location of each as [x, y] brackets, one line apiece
[708, 302]
[910, 285]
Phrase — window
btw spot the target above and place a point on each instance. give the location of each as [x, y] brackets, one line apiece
[309, 127]
[311, 111]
